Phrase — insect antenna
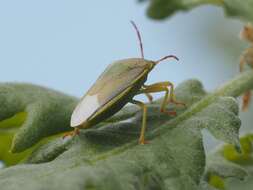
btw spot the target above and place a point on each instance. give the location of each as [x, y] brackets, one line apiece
[139, 38]
[167, 57]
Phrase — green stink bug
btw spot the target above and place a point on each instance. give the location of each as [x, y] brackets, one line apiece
[116, 87]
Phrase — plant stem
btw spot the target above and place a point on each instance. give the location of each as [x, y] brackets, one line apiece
[234, 88]
[237, 86]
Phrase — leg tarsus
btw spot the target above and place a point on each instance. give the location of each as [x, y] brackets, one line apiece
[73, 133]
[177, 103]
[143, 142]
[170, 113]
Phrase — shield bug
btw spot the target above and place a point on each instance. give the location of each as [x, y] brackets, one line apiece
[116, 87]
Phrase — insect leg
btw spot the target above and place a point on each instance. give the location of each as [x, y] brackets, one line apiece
[148, 95]
[172, 95]
[144, 118]
[169, 97]
[73, 133]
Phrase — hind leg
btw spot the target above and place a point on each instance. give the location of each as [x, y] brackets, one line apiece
[73, 133]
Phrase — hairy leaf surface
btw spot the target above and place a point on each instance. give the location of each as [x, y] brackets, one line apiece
[109, 157]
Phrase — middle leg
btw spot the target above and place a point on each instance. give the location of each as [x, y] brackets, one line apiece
[144, 120]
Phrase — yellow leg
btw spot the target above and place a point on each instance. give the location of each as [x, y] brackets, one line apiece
[169, 97]
[144, 119]
[73, 133]
[148, 95]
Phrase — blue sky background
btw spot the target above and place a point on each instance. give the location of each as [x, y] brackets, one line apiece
[65, 45]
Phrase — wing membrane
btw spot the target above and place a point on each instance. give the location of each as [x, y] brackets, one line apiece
[115, 79]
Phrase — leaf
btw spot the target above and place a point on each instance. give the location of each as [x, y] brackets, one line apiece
[161, 9]
[5, 156]
[183, 163]
[228, 169]
[109, 157]
[8, 128]
[41, 112]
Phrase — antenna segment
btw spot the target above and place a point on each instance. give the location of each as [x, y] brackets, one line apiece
[139, 38]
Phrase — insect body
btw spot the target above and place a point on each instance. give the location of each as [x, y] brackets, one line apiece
[116, 87]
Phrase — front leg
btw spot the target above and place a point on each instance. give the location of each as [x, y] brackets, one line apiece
[168, 97]
[148, 95]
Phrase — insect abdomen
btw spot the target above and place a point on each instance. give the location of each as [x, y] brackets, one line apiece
[108, 110]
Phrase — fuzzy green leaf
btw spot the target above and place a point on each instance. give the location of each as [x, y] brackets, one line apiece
[109, 157]
[160, 9]
[228, 169]
[37, 111]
